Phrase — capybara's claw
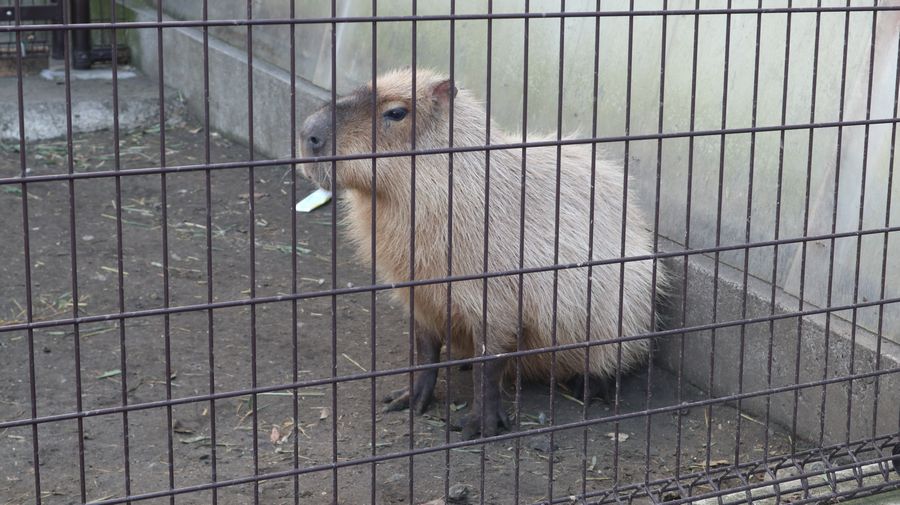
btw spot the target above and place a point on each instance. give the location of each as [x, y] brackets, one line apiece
[597, 387]
[400, 400]
[494, 421]
[503, 419]
[396, 400]
[471, 426]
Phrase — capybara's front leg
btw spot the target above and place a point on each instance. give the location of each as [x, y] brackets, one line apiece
[428, 350]
[488, 415]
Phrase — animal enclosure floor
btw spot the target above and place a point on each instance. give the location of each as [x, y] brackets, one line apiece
[107, 376]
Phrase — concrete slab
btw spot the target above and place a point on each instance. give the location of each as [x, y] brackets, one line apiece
[892, 498]
[94, 74]
[820, 484]
[92, 105]
[762, 356]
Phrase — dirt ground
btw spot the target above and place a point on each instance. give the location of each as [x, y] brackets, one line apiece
[144, 339]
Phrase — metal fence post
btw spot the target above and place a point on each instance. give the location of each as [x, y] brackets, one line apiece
[81, 55]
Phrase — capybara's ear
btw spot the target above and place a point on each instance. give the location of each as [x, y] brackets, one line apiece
[443, 90]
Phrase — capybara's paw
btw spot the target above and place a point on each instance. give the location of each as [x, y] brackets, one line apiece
[400, 400]
[421, 403]
[471, 425]
[495, 420]
[597, 387]
[396, 400]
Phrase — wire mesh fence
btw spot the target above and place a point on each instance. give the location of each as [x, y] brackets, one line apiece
[694, 300]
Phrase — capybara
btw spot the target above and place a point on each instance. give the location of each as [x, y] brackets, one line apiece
[486, 182]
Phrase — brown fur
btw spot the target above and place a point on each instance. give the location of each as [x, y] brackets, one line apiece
[393, 193]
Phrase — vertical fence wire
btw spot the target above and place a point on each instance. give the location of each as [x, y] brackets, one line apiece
[834, 219]
[806, 215]
[210, 319]
[554, 320]
[710, 420]
[73, 254]
[770, 357]
[521, 277]
[164, 202]
[860, 223]
[448, 335]
[585, 389]
[120, 253]
[251, 198]
[745, 281]
[373, 274]
[654, 280]
[626, 164]
[686, 259]
[29, 308]
[295, 338]
[413, 343]
[480, 386]
[334, 249]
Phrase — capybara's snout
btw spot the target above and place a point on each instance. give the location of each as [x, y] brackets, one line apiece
[315, 135]
[315, 140]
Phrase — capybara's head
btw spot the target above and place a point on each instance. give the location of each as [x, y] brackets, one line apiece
[385, 109]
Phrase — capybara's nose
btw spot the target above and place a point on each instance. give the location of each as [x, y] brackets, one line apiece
[313, 140]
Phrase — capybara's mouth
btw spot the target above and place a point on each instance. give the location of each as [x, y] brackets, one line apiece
[319, 173]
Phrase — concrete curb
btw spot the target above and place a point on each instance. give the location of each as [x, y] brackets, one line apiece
[819, 483]
[741, 355]
[92, 108]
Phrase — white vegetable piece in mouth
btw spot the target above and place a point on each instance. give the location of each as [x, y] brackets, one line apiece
[314, 200]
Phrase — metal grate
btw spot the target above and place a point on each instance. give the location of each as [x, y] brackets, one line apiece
[38, 43]
[500, 468]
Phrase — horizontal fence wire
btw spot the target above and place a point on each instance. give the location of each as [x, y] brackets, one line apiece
[443, 364]
[449, 150]
[846, 464]
[445, 17]
[488, 275]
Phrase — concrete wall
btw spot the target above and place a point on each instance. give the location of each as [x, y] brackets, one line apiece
[762, 356]
[710, 164]
[228, 105]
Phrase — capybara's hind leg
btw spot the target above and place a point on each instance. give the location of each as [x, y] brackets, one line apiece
[428, 350]
[488, 415]
[597, 387]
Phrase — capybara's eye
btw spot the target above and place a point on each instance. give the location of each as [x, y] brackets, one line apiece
[396, 114]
